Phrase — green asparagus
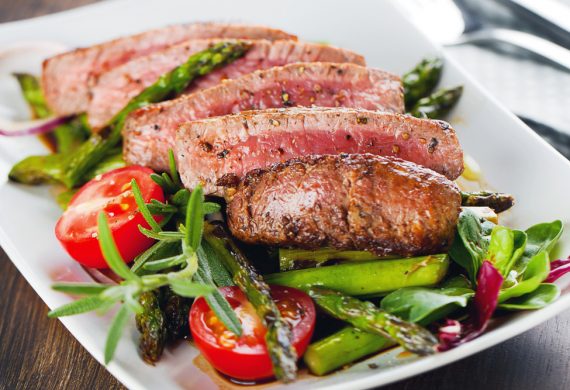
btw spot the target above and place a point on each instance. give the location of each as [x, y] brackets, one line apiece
[291, 259]
[421, 80]
[369, 318]
[368, 278]
[32, 91]
[437, 105]
[70, 169]
[67, 136]
[341, 348]
[152, 327]
[496, 201]
[278, 337]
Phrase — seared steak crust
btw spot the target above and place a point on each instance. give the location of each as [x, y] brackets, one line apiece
[67, 78]
[210, 148]
[115, 88]
[381, 204]
[150, 131]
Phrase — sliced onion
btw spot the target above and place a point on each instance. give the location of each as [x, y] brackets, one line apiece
[18, 129]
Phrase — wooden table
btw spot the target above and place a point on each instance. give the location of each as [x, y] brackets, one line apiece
[39, 353]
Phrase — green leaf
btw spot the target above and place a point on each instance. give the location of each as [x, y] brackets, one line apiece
[535, 273]
[80, 288]
[159, 250]
[195, 219]
[219, 305]
[162, 264]
[425, 305]
[211, 207]
[77, 307]
[173, 171]
[471, 242]
[115, 333]
[110, 251]
[211, 265]
[143, 207]
[162, 236]
[545, 294]
[189, 289]
[540, 237]
[505, 248]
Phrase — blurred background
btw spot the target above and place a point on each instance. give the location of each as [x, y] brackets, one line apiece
[517, 49]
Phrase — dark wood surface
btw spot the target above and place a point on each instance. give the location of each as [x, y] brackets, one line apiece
[39, 353]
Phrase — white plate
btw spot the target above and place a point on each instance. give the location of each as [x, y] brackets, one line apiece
[513, 158]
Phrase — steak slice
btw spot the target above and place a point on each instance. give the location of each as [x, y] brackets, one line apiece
[150, 132]
[117, 87]
[68, 77]
[210, 148]
[361, 201]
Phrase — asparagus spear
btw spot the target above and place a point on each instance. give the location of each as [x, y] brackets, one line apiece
[32, 91]
[291, 259]
[343, 347]
[67, 136]
[176, 310]
[152, 326]
[70, 169]
[497, 201]
[438, 104]
[421, 80]
[368, 277]
[278, 337]
[369, 318]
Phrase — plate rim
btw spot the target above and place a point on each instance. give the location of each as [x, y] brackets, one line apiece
[394, 374]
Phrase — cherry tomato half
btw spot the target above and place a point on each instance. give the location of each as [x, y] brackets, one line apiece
[245, 357]
[111, 193]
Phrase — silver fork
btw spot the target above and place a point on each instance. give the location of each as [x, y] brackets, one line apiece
[449, 25]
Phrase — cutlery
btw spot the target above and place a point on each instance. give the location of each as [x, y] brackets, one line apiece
[450, 23]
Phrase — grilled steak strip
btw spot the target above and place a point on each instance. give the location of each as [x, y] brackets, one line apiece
[210, 148]
[67, 78]
[381, 204]
[150, 131]
[117, 87]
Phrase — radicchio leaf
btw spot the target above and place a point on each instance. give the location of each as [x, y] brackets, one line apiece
[455, 333]
[558, 268]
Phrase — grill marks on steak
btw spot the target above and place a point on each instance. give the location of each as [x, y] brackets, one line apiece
[381, 204]
[117, 87]
[150, 131]
[67, 78]
[235, 144]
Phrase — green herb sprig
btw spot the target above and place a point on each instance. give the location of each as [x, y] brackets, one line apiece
[177, 260]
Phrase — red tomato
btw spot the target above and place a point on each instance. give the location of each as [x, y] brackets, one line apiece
[111, 193]
[246, 357]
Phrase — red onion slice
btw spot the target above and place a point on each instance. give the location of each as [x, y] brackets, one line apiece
[36, 127]
[558, 268]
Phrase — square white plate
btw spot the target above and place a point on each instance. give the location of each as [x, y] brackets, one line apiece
[513, 158]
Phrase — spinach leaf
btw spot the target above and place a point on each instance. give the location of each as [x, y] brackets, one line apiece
[536, 271]
[540, 237]
[505, 248]
[471, 242]
[425, 305]
[545, 294]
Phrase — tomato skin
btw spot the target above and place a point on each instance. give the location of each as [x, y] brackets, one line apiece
[249, 362]
[76, 229]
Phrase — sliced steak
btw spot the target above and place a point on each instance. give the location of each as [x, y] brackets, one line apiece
[150, 131]
[381, 204]
[117, 87]
[68, 77]
[210, 148]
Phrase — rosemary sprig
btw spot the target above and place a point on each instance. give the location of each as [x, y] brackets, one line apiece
[103, 297]
[173, 261]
